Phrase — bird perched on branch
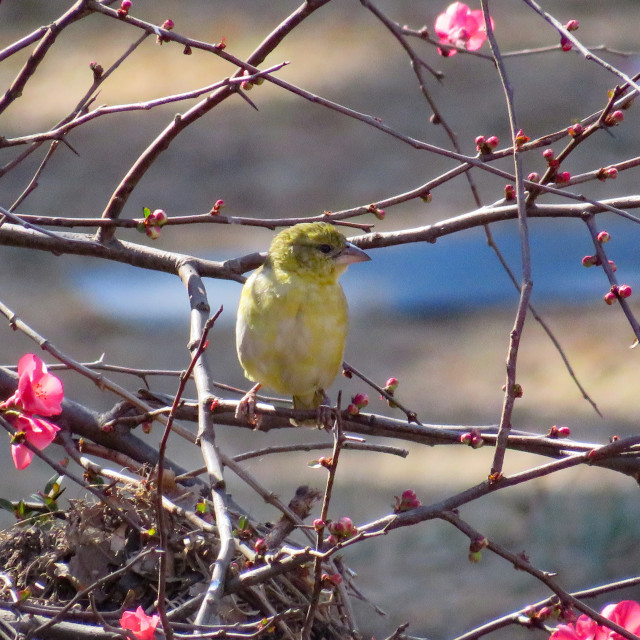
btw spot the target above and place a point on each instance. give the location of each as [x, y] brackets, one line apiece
[292, 319]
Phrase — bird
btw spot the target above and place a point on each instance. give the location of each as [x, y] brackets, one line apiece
[292, 319]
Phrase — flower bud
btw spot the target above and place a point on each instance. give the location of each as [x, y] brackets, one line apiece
[558, 432]
[168, 24]
[610, 297]
[533, 177]
[153, 232]
[361, 400]
[97, 70]
[565, 43]
[475, 556]
[575, 130]
[603, 237]
[123, 11]
[349, 528]
[548, 154]
[614, 118]
[572, 25]
[563, 176]
[159, 217]
[391, 384]
[589, 261]
[479, 543]
[521, 138]
[612, 265]
[624, 290]
[219, 204]
[342, 529]
[509, 192]
[353, 410]
[544, 613]
[406, 502]
[486, 145]
[331, 579]
[472, 438]
[611, 173]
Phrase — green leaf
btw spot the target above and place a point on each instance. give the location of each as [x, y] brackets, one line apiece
[52, 483]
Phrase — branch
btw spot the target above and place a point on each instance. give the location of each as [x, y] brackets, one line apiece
[511, 390]
[161, 143]
[76, 12]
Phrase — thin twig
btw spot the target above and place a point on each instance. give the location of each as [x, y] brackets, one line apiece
[546, 578]
[338, 438]
[510, 392]
[588, 54]
[600, 252]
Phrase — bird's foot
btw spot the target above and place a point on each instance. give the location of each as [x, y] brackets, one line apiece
[246, 409]
[325, 416]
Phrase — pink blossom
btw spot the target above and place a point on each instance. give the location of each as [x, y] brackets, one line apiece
[142, 625]
[36, 432]
[38, 391]
[625, 613]
[462, 27]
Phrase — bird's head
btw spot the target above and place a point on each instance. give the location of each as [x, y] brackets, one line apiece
[314, 250]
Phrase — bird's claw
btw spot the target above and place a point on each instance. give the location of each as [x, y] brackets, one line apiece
[246, 409]
[325, 416]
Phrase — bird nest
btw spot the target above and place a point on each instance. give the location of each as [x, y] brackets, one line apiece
[84, 566]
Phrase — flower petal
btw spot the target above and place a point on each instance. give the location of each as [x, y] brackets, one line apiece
[21, 456]
[40, 433]
[625, 613]
[142, 625]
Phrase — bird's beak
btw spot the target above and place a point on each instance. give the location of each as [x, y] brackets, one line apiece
[350, 254]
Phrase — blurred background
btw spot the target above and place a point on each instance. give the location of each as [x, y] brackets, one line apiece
[435, 316]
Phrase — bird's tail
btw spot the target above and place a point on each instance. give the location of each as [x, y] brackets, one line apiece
[309, 401]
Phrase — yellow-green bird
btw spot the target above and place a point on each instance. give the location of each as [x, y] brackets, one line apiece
[292, 318]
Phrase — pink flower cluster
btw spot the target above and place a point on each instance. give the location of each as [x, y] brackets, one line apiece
[341, 530]
[38, 393]
[462, 27]
[625, 613]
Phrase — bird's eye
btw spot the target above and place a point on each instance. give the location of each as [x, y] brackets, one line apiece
[325, 248]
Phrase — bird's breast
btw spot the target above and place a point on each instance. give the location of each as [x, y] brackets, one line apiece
[291, 334]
